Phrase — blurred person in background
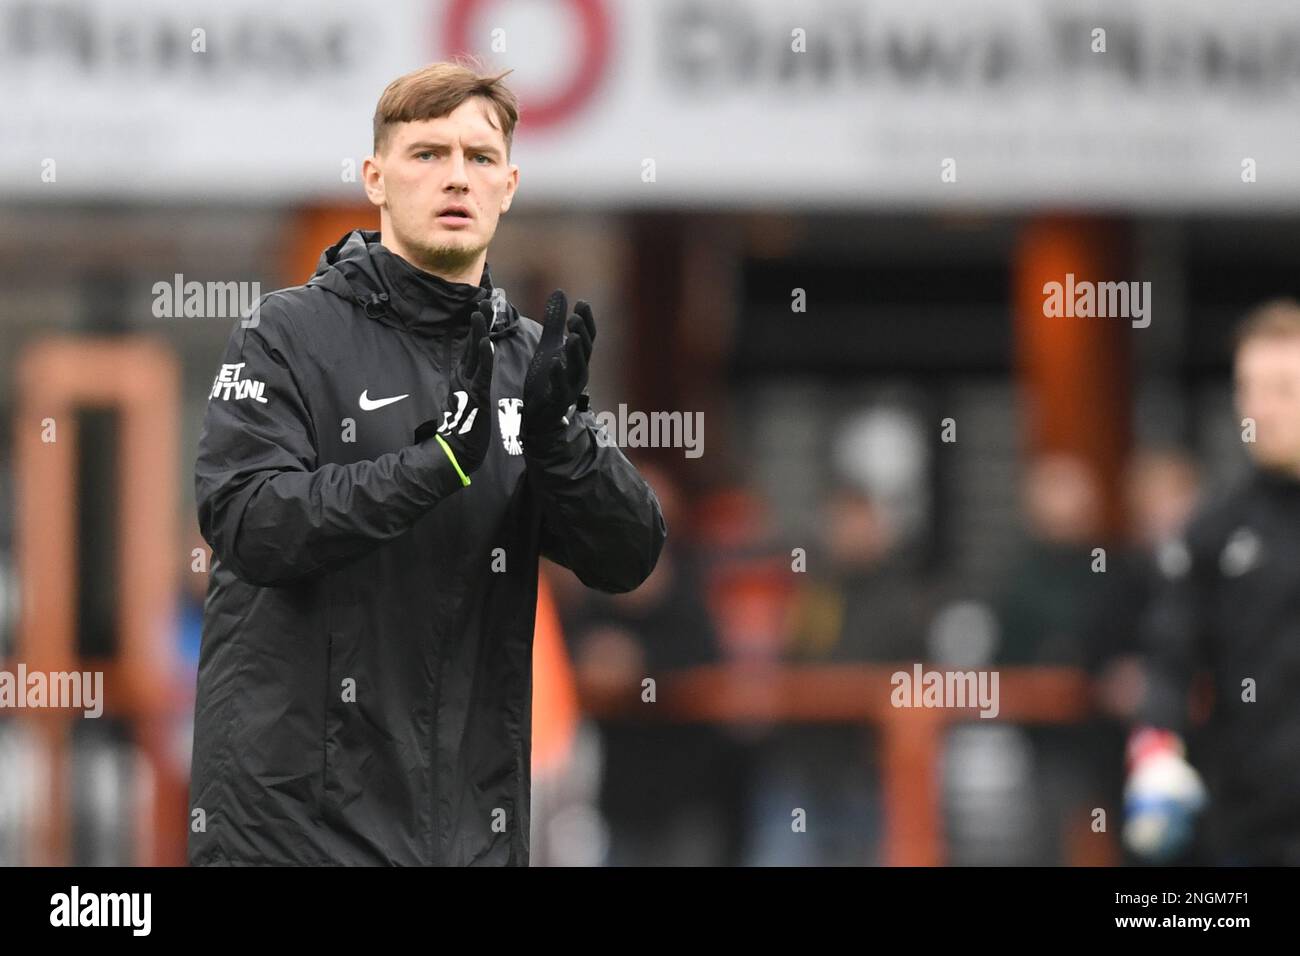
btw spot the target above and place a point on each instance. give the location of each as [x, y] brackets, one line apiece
[1047, 614]
[1161, 487]
[190, 599]
[670, 791]
[1229, 604]
[865, 602]
[859, 603]
[1043, 609]
[366, 667]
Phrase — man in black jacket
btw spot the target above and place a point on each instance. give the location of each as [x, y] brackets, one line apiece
[1230, 605]
[387, 450]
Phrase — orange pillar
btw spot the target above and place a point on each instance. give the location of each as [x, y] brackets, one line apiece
[314, 229]
[1074, 371]
[141, 379]
[911, 744]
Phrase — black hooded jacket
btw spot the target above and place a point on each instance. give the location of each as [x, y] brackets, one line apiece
[364, 686]
[1229, 603]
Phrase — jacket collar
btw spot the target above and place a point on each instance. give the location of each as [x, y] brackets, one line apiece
[421, 298]
[395, 292]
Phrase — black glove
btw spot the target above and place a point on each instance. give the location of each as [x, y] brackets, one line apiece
[558, 372]
[465, 428]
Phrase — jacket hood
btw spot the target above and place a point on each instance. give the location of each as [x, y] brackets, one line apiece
[394, 292]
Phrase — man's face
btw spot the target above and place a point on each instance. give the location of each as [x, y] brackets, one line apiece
[1268, 390]
[441, 185]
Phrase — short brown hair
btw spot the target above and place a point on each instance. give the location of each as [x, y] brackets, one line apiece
[437, 90]
[1276, 319]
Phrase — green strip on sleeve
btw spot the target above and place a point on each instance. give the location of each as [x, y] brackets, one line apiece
[464, 478]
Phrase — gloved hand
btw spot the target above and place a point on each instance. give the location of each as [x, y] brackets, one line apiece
[558, 371]
[1162, 796]
[465, 428]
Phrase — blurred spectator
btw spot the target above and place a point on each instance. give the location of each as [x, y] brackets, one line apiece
[1044, 604]
[188, 624]
[858, 603]
[670, 791]
[1161, 489]
[189, 605]
[749, 584]
[1047, 616]
[863, 603]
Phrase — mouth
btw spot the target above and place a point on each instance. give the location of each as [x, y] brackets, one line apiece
[455, 215]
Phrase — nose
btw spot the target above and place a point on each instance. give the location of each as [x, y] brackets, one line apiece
[458, 179]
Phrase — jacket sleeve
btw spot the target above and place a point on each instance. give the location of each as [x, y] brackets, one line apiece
[270, 511]
[1172, 629]
[600, 518]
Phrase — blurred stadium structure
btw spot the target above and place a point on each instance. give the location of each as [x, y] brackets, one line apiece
[825, 228]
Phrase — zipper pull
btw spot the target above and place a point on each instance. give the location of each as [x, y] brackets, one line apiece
[499, 307]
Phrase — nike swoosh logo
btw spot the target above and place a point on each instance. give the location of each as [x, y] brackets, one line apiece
[369, 405]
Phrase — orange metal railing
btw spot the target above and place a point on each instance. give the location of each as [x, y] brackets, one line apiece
[910, 738]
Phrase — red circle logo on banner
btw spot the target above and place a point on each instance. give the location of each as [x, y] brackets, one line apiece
[578, 88]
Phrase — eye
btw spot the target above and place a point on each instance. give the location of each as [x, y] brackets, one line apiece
[484, 156]
[423, 153]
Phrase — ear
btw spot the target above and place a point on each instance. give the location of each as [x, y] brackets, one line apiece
[372, 175]
[511, 185]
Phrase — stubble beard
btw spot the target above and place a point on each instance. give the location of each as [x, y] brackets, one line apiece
[445, 258]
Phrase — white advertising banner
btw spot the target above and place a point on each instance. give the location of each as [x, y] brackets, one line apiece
[1179, 104]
